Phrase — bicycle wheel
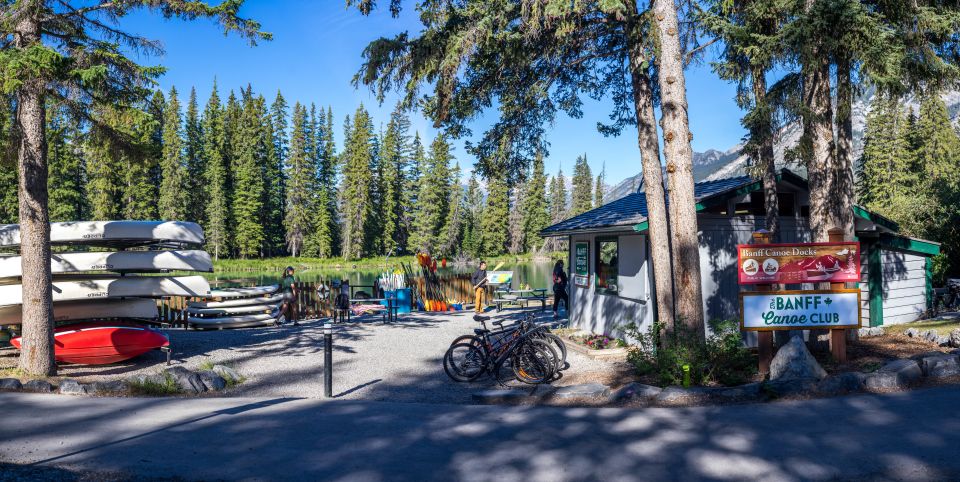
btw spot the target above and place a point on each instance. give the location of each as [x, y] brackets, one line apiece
[464, 362]
[534, 362]
[468, 339]
[556, 343]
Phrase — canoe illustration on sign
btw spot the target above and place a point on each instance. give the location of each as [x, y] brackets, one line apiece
[117, 261]
[128, 286]
[791, 263]
[127, 308]
[113, 233]
[100, 343]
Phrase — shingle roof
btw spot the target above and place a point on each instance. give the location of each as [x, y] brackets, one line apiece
[632, 209]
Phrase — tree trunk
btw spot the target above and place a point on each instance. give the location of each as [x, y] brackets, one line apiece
[818, 130]
[679, 157]
[36, 356]
[764, 132]
[658, 230]
[842, 171]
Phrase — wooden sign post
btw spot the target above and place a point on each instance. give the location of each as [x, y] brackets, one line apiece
[838, 337]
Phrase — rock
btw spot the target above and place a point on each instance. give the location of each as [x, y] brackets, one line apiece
[491, 397]
[674, 394]
[943, 341]
[790, 386]
[228, 374]
[940, 366]
[955, 338]
[842, 383]
[911, 332]
[70, 386]
[113, 386]
[871, 331]
[634, 390]
[41, 386]
[212, 381]
[794, 361]
[931, 336]
[581, 391]
[187, 380]
[10, 384]
[750, 390]
[897, 374]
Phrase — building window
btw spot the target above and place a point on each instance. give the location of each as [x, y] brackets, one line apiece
[607, 265]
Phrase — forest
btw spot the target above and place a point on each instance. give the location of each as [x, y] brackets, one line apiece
[267, 179]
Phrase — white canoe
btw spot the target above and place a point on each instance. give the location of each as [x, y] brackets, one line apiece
[128, 286]
[232, 310]
[120, 261]
[240, 321]
[113, 233]
[259, 300]
[234, 293]
[88, 310]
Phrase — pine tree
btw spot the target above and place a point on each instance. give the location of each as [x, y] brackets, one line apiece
[193, 157]
[322, 240]
[140, 168]
[104, 170]
[600, 188]
[300, 185]
[536, 211]
[358, 160]
[66, 166]
[518, 235]
[559, 202]
[433, 199]
[887, 174]
[472, 232]
[411, 191]
[274, 177]
[173, 195]
[215, 177]
[582, 196]
[451, 236]
[394, 157]
[9, 202]
[493, 230]
[249, 150]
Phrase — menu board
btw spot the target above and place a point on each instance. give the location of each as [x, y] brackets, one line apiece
[581, 263]
[798, 263]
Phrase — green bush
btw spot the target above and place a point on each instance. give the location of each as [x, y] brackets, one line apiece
[721, 359]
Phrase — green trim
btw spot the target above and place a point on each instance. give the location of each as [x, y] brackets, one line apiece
[929, 275]
[903, 243]
[641, 227]
[875, 284]
[875, 218]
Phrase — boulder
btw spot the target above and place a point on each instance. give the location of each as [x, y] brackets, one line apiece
[842, 383]
[492, 397]
[871, 331]
[943, 341]
[897, 374]
[186, 380]
[40, 386]
[931, 336]
[10, 384]
[794, 361]
[955, 338]
[212, 381]
[586, 390]
[674, 394]
[228, 374]
[940, 366]
[634, 390]
[750, 390]
[790, 386]
[911, 332]
[70, 386]
[112, 386]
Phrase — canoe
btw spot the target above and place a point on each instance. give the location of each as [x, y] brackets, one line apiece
[259, 300]
[127, 286]
[234, 293]
[232, 310]
[100, 343]
[239, 321]
[113, 233]
[118, 261]
[138, 308]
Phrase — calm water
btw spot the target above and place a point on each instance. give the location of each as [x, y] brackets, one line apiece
[537, 274]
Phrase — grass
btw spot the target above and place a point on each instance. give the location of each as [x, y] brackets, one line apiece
[206, 365]
[150, 388]
[13, 372]
[943, 326]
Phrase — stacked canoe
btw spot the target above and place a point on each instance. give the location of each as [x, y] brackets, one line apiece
[102, 303]
[236, 308]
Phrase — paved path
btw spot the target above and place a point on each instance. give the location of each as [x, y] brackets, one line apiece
[905, 436]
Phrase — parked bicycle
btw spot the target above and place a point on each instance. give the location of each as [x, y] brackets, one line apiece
[946, 299]
[522, 351]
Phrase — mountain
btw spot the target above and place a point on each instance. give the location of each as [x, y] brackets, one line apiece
[713, 164]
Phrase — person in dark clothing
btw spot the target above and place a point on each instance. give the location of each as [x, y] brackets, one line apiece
[479, 280]
[559, 289]
[288, 286]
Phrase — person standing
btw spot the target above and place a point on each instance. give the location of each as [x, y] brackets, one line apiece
[479, 280]
[559, 289]
[288, 286]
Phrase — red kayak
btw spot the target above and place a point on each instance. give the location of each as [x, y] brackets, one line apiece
[100, 343]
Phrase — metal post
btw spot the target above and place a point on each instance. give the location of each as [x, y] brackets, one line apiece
[328, 360]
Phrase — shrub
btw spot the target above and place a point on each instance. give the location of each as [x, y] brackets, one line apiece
[722, 358]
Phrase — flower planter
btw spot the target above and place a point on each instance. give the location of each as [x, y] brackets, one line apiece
[609, 354]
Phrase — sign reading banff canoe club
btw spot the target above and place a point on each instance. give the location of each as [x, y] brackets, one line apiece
[798, 263]
[581, 262]
[800, 310]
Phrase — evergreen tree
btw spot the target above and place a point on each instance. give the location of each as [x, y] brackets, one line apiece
[411, 191]
[472, 231]
[172, 186]
[394, 157]
[249, 148]
[433, 199]
[322, 240]
[493, 232]
[274, 178]
[600, 188]
[888, 176]
[559, 202]
[193, 157]
[67, 170]
[300, 186]
[451, 237]
[358, 161]
[536, 211]
[582, 196]
[215, 177]
[140, 168]
[9, 202]
[104, 170]
[518, 235]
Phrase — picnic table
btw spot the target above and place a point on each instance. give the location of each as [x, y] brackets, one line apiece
[390, 310]
[518, 297]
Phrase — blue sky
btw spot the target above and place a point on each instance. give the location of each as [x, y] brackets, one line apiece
[316, 50]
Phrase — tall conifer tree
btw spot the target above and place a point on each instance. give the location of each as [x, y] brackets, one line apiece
[493, 232]
[358, 161]
[215, 176]
[193, 158]
[249, 147]
[173, 195]
[300, 187]
[536, 213]
[67, 169]
[582, 195]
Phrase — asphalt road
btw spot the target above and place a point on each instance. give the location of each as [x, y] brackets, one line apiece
[904, 436]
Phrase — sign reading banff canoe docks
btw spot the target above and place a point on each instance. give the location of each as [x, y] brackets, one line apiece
[798, 263]
[800, 310]
[581, 263]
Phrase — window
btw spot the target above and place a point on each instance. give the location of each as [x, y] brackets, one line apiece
[607, 265]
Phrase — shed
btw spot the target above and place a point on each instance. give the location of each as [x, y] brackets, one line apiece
[612, 278]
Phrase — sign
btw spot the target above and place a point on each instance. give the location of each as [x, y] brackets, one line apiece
[581, 263]
[798, 263]
[799, 310]
[500, 277]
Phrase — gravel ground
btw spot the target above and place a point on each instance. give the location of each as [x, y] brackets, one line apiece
[372, 360]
